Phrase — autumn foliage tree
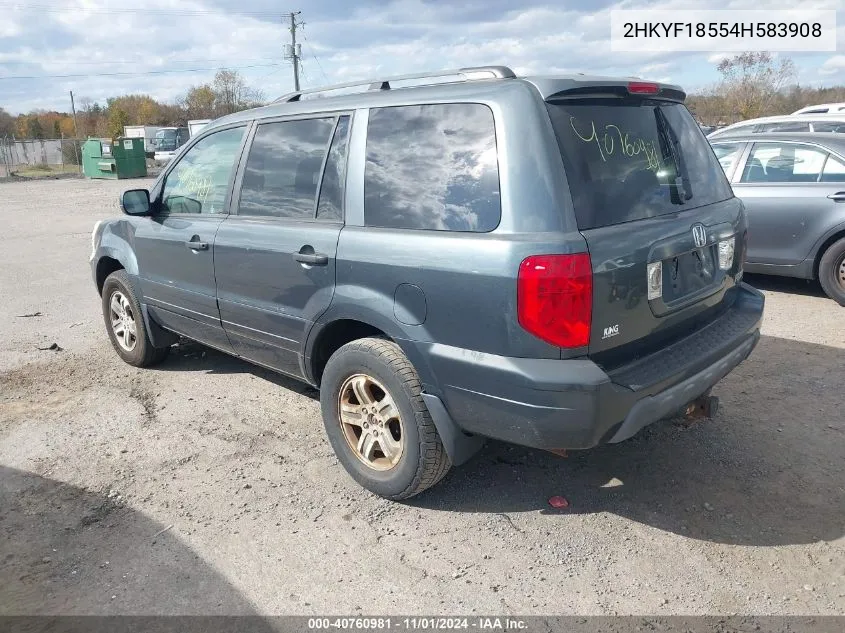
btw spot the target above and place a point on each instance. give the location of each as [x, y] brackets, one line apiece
[751, 81]
[199, 101]
[228, 92]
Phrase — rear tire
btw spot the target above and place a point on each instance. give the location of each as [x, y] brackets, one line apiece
[377, 421]
[832, 271]
[125, 323]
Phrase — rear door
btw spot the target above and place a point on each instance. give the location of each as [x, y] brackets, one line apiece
[174, 247]
[653, 204]
[787, 199]
[275, 255]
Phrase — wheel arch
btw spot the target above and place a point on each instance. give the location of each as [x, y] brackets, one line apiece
[835, 236]
[106, 265]
[114, 253]
[346, 322]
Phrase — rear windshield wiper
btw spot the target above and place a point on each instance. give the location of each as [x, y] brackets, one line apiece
[682, 183]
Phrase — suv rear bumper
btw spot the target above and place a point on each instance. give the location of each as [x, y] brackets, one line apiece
[552, 404]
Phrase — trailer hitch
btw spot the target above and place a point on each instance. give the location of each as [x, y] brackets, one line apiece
[705, 406]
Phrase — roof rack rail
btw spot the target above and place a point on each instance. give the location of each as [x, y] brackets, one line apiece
[473, 73]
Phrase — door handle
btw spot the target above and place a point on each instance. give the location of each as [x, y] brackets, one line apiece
[839, 196]
[314, 259]
[196, 245]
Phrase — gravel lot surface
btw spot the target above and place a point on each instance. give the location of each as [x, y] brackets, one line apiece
[206, 485]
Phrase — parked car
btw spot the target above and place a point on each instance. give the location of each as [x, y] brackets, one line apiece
[550, 261]
[823, 108]
[793, 187]
[787, 123]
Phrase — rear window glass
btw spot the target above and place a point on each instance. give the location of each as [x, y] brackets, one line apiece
[633, 159]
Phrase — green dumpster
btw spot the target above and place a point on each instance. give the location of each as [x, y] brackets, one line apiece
[114, 158]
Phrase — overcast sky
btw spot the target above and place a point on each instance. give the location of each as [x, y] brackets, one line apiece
[342, 40]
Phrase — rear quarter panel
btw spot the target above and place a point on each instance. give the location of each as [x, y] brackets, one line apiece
[467, 281]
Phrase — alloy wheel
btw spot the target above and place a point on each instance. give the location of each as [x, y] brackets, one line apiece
[371, 422]
[123, 321]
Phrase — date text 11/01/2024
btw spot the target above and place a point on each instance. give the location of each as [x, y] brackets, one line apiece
[418, 623]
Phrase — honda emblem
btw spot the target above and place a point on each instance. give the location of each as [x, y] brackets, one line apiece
[699, 235]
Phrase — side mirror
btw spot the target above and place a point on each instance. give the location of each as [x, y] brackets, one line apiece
[135, 202]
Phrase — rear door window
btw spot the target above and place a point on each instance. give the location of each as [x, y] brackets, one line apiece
[783, 162]
[633, 159]
[834, 170]
[727, 154]
[283, 168]
[432, 167]
[330, 206]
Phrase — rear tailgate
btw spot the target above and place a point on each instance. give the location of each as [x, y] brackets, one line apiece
[656, 211]
[625, 320]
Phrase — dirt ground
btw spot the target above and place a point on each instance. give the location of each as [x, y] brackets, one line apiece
[206, 485]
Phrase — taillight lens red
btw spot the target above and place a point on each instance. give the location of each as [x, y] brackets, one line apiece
[643, 88]
[555, 298]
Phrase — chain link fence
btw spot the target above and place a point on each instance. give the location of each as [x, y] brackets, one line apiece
[60, 155]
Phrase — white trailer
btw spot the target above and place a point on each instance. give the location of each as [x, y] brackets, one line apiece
[146, 132]
[196, 125]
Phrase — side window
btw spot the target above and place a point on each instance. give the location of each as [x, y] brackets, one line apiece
[432, 167]
[200, 180]
[783, 162]
[787, 126]
[330, 206]
[834, 170]
[828, 126]
[807, 164]
[728, 153]
[283, 168]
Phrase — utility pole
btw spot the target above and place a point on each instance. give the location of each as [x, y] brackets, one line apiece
[294, 54]
[76, 134]
[73, 109]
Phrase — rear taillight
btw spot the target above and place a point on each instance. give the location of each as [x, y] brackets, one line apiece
[727, 250]
[555, 298]
[643, 88]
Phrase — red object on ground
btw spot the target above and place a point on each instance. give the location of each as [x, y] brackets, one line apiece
[558, 502]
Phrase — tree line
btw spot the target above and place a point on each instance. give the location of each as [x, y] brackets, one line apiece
[754, 85]
[751, 85]
[228, 92]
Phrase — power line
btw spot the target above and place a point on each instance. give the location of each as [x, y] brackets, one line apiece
[146, 72]
[146, 60]
[314, 54]
[109, 10]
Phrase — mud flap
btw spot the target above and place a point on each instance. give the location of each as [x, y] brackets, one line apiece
[159, 337]
[459, 446]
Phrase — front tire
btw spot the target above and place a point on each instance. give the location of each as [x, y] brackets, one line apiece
[832, 271]
[125, 323]
[377, 421]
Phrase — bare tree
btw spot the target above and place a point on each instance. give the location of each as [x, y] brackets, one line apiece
[232, 93]
[751, 81]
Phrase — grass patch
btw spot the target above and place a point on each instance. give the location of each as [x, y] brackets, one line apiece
[41, 171]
